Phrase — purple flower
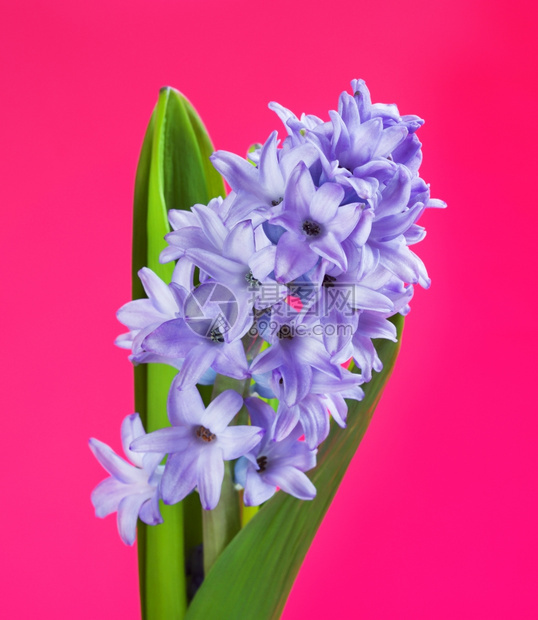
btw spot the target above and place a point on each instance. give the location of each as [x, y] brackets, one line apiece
[198, 443]
[274, 464]
[201, 227]
[176, 340]
[261, 187]
[373, 153]
[311, 252]
[243, 268]
[326, 394]
[131, 490]
[296, 349]
[142, 316]
[315, 226]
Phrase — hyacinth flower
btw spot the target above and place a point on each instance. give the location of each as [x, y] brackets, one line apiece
[263, 186]
[316, 224]
[131, 490]
[271, 464]
[198, 443]
[263, 327]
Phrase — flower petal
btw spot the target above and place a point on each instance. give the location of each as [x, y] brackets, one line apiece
[325, 203]
[273, 357]
[197, 361]
[261, 413]
[396, 195]
[107, 495]
[171, 339]
[296, 382]
[139, 313]
[293, 257]
[236, 170]
[180, 475]
[150, 512]
[239, 245]
[330, 248]
[131, 429]
[164, 440]
[257, 490]
[315, 421]
[210, 477]
[114, 464]
[128, 515]
[221, 411]
[291, 481]
[235, 441]
[211, 224]
[286, 420]
[271, 178]
[159, 293]
[185, 407]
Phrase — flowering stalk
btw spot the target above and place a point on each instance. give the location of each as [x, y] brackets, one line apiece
[278, 311]
[221, 524]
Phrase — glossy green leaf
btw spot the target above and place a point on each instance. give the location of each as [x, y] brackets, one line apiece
[253, 576]
[174, 172]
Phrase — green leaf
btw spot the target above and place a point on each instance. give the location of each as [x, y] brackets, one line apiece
[254, 574]
[174, 172]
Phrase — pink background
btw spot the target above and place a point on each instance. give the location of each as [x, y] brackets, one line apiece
[437, 515]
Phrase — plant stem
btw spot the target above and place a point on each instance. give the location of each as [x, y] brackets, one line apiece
[222, 523]
[247, 512]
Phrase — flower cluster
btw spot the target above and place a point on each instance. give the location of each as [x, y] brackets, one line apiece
[278, 286]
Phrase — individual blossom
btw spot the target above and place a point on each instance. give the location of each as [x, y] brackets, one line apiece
[296, 349]
[198, 443]
[164, 302]
[315, 225]
[326, 396]
[203, 344]
[242, 267]
[131, 490]
[260, 188]
[201, 227]
[273, 464]
[142, 316]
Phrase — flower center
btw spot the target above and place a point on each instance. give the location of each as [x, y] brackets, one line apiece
[275, 203]
[262, 463]
[328, 281]
[205, 434]
[312, 229]
[216, 335]
[284, 333]
[251, 279]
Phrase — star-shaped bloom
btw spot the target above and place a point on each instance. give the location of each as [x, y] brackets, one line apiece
[131, 490]
[326, 395]
[243, 268]
[274, 464]
[142, 316]
[262, 187]
[296, 349]
[315, 225]
[198, 443]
